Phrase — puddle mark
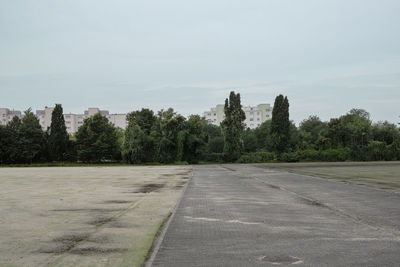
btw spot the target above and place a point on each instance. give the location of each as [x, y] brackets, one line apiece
[96, 251]
[148, 188]
[281, 259]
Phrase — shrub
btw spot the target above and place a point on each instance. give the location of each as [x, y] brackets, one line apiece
[309, 155]
[289, 157]
[213, 157]
[256, 157]
[339, 154]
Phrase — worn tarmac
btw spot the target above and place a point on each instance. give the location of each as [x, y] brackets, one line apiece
[242, 215]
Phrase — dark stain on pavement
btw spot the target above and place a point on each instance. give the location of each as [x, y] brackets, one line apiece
[279, 259]
[148, 188]
[96, 250]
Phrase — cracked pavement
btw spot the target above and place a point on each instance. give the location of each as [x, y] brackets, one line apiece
[242, 215]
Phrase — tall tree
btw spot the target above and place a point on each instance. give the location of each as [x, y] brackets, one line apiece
[139, 144]
[97, 140]
[170, 128]
[195, 138]
[58, 136]
[280, 125]
[10, 142]
[32, 138]
[233, 127]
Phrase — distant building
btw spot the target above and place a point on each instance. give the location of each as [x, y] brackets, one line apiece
[72, 121]
[7, 115]
[254, 115]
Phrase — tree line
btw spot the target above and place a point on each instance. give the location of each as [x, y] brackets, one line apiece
[168, 137]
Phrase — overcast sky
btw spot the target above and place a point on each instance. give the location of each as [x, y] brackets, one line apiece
[327, 56]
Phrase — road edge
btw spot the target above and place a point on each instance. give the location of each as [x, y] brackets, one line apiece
[159, 237]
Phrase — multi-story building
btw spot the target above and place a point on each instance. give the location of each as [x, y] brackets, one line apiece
[7, 115]
[44, 117]
[72, 121]
[254, 115]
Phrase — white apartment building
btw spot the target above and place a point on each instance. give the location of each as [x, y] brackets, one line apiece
[7, 115]
[254, 115]
[72, 121]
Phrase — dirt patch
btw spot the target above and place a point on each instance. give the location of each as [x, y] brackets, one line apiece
[65, 243]
[184, 173]
[229, 169]
[116, 201]
[101, 221]
[86, 210]
[274, 186]
[96, 251]
[180, 184]
[148, 188]
[311, 202]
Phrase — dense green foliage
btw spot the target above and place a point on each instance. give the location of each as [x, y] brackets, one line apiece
[97, 140]
[280, 125]
[233, 127]
[58, 139]
[167, 137]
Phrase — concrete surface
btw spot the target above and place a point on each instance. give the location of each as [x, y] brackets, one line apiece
[84, 216]
[241, 215]
[379, 174]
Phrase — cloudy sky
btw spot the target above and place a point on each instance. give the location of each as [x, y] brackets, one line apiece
[327, 56]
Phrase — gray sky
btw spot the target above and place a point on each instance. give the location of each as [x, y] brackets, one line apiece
[327, 56]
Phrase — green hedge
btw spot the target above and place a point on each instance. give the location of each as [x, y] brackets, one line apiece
[256, 157]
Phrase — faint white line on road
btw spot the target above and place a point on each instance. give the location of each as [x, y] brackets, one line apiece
[189, 218]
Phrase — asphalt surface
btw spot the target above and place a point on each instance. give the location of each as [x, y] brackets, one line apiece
[241, 215]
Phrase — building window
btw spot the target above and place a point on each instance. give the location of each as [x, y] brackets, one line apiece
[251, 119]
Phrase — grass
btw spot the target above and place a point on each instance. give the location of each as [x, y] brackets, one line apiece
[381, 175]
[81, 164]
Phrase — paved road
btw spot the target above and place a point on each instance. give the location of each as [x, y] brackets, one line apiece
[241, 215]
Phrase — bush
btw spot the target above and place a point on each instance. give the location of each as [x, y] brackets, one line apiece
[309, 155]
[374, 151]
[339, 154]
[289, 157]
[180, 163]
[256, 157]
[214, 157]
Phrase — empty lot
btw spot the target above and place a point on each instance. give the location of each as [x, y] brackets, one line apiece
[381, 175]
[242, 215]
[84, 216]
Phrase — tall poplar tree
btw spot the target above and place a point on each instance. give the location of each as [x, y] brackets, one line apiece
[280, 125]
[233, 127]
[58, 137]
